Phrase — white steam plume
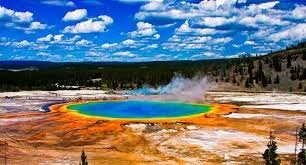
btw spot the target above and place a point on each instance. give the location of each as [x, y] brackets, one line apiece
[179, 88]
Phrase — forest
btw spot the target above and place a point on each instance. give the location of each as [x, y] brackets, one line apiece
[245, 71]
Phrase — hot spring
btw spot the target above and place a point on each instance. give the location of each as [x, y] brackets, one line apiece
[129, 109]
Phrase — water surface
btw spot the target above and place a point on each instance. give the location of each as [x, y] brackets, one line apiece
[128, 109]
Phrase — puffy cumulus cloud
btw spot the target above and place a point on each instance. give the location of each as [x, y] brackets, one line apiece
[296, 32]
[74, 38]
[299, 12]
[20, 20]
[265, 5]
[133, 1]
[90, 26]
[125, 54]
[221, 10]
[153, 46]
[37, 26]
[46, 38]
[190, 39]
[23, 43]
[94, 54]
[144, 29]
[154, 5]
[156, 36]
[128, 42]
[249, 42]
[223, 40]
[60, 39]
[43, 54]
[222, 22]
[261, 19]
[15, 16]
[186, 29]
[184, 10]
[75, 15]
[84, 42]
[196, 43]
[109, 45]
[59, 3]
[214, 21]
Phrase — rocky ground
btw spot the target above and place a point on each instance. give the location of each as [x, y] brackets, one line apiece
[238, 135]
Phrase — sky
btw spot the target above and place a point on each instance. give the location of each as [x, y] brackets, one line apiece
[147, 30]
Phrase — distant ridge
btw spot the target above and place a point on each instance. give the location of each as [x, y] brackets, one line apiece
[25, 64]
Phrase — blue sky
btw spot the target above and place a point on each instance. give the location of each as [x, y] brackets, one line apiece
[147, 30]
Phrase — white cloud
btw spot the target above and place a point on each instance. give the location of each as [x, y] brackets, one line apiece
[92, 25]
[20, 20]
[59, 3]
[144, 29]
[215, 21]
[125, 54]
[94, 54]
[299, 12]
[266, 5]
[249, 43]
[218, 21]
[208, 5]
[260, 19]
[75, 15]
[128, 42]
[153, 46]
[23, 43]
[74, 38]
[70, 4]
[154, 5]
[37, 26]
[156, 36]
[185, 28]
[46, 38]
[83, 42]
[43, 54]
[297, 32]
[58, 37]
[222, 40]
[15, 16]
[24, 16]
[133, 1]
[108, 45]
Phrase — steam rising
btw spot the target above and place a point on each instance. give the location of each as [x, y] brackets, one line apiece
[179, 88]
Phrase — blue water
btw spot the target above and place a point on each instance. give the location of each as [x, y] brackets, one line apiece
[139, 109]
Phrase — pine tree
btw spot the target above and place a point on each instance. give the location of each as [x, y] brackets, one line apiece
[264, 81]
[276, 80]
[260, 71]
[247, 85]
[234, 80]
[302, 157]
[270, 156]
[300, 85]
[288, 61]
[302, 138]
[269, 80]
[304, 55]
[83, 158]
[277, 63]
